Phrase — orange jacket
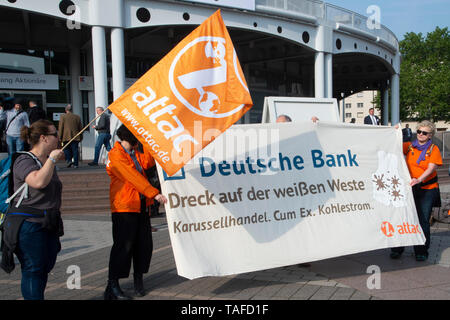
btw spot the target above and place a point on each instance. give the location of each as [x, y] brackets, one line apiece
[126, 181]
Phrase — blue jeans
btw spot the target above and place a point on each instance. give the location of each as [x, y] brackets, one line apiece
[14, 144]
[72, 152]
[37, 251]
[102, 139]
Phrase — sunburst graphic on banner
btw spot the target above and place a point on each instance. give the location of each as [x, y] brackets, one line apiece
[388, 186]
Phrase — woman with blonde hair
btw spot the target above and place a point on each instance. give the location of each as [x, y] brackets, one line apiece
[422, 158]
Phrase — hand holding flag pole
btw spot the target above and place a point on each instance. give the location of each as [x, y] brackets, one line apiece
[82, 130]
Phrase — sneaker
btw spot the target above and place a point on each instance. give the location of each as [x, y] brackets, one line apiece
[421, 257]
[92, 164]
[69, 164]
[75, 166]
[395, 255]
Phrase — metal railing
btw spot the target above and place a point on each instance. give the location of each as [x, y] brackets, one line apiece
[331, 14]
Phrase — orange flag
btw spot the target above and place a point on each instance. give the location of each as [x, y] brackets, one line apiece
[188, 98]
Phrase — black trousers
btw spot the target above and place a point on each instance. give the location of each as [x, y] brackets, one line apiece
[132, 241]
[424, 200]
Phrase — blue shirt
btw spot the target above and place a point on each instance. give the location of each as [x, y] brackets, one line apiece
[20, 121]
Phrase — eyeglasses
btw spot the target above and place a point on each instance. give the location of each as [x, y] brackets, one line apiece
[55, 134]
[425, 133]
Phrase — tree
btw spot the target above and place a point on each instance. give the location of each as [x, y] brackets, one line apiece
[425, 76]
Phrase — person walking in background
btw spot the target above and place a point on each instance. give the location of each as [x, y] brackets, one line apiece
[407, 133]
[35, 112]
[371, 118]
[69, 126]
[16, 118]
[422, 159]
[104, 136]
[130, 196]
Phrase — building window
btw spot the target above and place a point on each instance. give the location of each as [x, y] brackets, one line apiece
[348, 105]
[360, 114]
[360, 105]
[348, 115]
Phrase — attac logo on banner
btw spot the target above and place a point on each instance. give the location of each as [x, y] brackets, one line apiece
[198, 86]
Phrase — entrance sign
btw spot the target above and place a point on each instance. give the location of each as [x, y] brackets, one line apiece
[300, 109]
[269, 195]
[197, 87]
[28, 81]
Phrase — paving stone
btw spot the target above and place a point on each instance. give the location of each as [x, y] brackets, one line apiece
[324, 293]
[305, 292]
[91, 250]
[342, 294]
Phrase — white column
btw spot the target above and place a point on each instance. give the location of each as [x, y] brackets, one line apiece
[74, 88]
[118, 73]
[329, 75]
[100, 72]
[118, 62]
[395, 99]
[385, 103]
[319, 75]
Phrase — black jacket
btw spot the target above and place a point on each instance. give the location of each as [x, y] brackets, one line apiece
[35, 114]
[103, 124]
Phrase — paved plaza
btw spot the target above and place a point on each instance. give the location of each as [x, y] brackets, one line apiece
[87, 242]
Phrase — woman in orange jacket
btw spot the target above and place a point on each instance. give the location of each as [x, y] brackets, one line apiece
[130, 195]
[422, 158]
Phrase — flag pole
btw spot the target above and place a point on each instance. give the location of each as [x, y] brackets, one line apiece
[87, 126]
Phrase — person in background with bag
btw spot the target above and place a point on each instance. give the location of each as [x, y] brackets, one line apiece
[33, 225]
[422, 159]
[16, 118]
[104, 136]
[130, 195]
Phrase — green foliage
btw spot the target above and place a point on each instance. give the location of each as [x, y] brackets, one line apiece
[425, 76]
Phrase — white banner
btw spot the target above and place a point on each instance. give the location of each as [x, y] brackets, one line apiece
[29, 81]
[269, 195]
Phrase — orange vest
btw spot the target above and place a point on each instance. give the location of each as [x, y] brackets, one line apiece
[126, 181]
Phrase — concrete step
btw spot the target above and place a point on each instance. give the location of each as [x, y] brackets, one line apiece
[83, 180]
[81, 209]
[72, 191]
[85, 190]
[70, 200]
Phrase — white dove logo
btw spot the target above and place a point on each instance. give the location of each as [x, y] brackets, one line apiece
[203, 81]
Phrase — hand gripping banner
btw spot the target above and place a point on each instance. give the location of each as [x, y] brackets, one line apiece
[188, 98]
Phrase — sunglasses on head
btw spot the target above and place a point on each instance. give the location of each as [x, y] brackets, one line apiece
[425, 133]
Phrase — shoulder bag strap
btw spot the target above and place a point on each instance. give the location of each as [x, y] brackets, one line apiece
[7, 126]
[23, 189]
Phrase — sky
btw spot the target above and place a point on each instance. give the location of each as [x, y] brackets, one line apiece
[402, 16]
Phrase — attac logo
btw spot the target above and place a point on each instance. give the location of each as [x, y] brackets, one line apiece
[201, 84]
[387, 229]
[197, 88]
[405, 228]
